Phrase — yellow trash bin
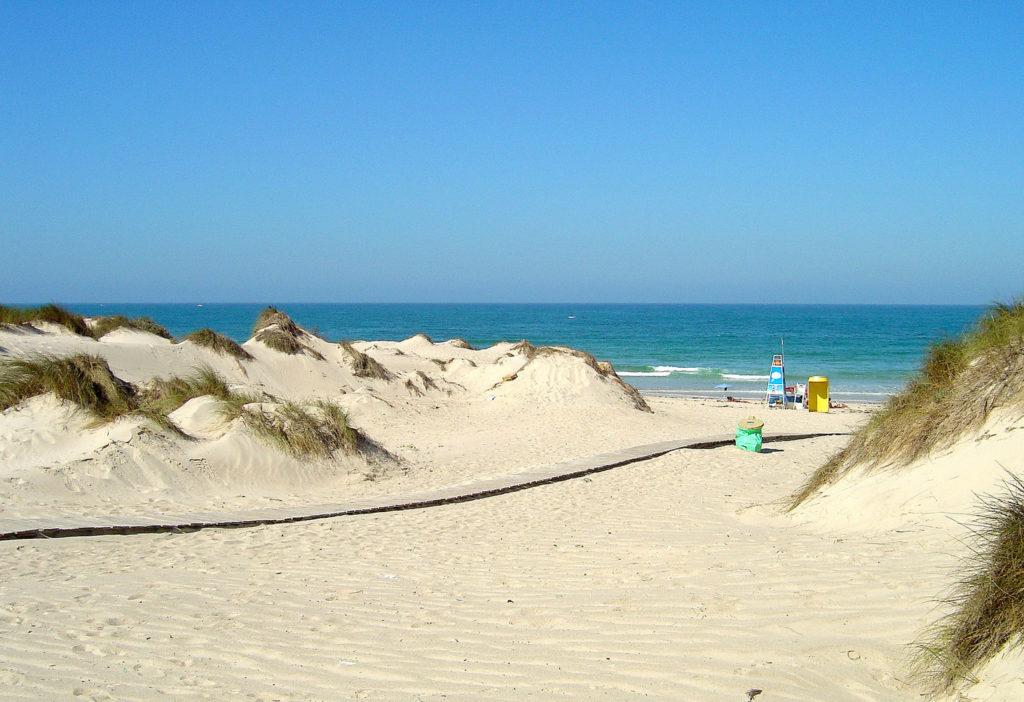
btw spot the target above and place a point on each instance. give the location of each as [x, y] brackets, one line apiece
[817, 394]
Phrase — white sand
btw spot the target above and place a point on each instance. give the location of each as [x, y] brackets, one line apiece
[675, 578]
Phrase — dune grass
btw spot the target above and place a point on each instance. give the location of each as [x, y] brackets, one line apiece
[166, 395]
[76, 323]
[88, 382]
[959, 383]
[523, 347]
[280, 341]
[363, 365]
[314, 430]
[218, 343]
[46, 313]
[302, 431]
[277, 331]
[987, 601]
[271, 317]
[105, 325]
[82, 379]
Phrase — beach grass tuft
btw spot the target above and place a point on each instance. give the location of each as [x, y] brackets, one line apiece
[363, 365]
[277, 331]
[88, 382]
[105, 325]
[279, 341]
[987, 601]
[76, 323]
[302, 431]
[523, 347]
[960, 382]
[82, 379]
[218, 343]
[163, 396]
[273, 317]
[46, 313]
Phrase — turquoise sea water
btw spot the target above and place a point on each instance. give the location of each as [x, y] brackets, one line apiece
[866, 351]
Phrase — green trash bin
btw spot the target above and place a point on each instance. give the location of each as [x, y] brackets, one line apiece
[748, 434]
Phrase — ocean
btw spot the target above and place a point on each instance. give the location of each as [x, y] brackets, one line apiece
[866, 351]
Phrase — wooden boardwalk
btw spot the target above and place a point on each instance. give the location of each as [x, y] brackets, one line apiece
[96, 526]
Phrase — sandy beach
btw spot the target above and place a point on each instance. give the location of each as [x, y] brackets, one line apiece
[678, 577]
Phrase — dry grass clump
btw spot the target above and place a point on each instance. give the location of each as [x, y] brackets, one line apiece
[427, 382]
[315, 430]
[413, 388]
[165, 396]
[280, 341]
[312, 431]
[960, 381]
[105, 325]
[88, 382]
[76, 323]
[524, 347]
[46, 313]
[987, 600]
[363, 365]
[218, 343]
[273, 317]
[276, 330]
[82, 379]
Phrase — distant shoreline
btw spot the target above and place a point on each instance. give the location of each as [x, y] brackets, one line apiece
[865, 400]
[689, 349]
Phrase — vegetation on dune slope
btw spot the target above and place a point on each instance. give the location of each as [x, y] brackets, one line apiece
[987, 601]
[364, 365]
[165, 396]
[273, 317]
[314, 430]
[303, 431]
[76, 323]
[276, 330]
[82, 379]
[960, 382]
[105, 325]
[46, 313]
[218, 343]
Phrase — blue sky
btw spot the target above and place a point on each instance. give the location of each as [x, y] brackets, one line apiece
[512, 151]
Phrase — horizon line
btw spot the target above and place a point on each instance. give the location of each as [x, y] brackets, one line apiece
[478, 303]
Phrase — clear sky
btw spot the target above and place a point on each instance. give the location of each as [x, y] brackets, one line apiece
[841, 152]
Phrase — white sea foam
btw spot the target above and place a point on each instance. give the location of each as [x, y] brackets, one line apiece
[644, 374]
[734, 376]
[676, 369]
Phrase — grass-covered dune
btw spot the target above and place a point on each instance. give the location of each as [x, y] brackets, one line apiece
[277, 331]
[218, 343]
[16, 316]
[313, 430]
[961, 381]
[986, 601]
